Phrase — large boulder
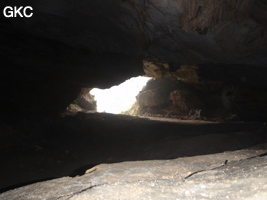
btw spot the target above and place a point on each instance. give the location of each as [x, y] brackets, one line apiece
[154, 97]
[185, 100]
[156, 92]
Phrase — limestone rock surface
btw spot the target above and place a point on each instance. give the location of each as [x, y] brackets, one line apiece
[185, 100]
[86, 100]
[240, 174]
[155, 97]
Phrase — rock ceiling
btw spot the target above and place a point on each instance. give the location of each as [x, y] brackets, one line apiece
[185, 32]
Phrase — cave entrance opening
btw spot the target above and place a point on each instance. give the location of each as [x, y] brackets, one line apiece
[118, 99]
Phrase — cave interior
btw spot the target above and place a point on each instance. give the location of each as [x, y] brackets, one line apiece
[205, 65]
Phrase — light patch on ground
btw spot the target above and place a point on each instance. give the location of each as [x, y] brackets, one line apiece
[118, 99]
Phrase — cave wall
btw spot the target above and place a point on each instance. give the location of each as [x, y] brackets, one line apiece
[43, 76]
[67, 45]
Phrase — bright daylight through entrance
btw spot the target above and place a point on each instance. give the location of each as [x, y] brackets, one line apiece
[118, 99]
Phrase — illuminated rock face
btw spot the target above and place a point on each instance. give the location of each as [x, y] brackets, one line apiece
[86, 100]
[155, 97]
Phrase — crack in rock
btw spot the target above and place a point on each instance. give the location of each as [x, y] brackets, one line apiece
[205, 170]
[222, 165]
[81, 191]
[151, 180]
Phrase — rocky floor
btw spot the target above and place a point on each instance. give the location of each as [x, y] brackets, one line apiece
[160, 158]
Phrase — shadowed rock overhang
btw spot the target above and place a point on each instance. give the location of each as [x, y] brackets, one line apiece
[67, 45]
[184, 32]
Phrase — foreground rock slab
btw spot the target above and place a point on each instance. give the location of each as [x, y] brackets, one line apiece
[238, 174]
